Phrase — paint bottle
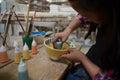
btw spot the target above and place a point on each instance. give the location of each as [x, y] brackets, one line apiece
[22, 71]
[58, 45]
[34, 47]
[17, 55]
[3, 55]
[26, 53]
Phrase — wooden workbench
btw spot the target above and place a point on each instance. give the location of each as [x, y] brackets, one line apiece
[40, 67]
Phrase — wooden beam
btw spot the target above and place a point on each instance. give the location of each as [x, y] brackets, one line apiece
[19, 21]
[1, 18]
[7, 25]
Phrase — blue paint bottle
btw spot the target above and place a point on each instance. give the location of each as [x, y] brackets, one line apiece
[58, 45]
[22, 71]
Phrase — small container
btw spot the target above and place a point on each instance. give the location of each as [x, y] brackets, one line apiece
[34, 47]
[58, 45]
[26, 53]
[3, 55]
[28, 40]
[22, 71]
[53, 53]
[17, 55]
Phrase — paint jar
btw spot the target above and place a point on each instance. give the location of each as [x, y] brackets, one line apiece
[28, 40]
[26, 53]
[34, 47]
[3, 55]
[22, 71]
[17, 55]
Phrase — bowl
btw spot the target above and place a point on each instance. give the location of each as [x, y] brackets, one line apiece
[53, 53]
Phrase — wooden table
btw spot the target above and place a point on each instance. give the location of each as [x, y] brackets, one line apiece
[40, 67]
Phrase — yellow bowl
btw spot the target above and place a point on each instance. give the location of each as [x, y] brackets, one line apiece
[55, 53]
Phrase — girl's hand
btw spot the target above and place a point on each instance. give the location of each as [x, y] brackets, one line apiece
[73, 55]
[62, 36]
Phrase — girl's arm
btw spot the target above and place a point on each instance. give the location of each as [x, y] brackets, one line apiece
[72, 26]
[90, 67]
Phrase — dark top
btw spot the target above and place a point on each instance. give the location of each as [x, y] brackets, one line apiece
[94, 52]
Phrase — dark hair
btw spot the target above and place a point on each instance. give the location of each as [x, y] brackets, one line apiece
[114, 41]
[110, 60]
[92, 28]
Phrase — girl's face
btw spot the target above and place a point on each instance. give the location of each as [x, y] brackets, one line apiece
[97, 16]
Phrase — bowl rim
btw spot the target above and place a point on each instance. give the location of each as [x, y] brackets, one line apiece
[53, 48]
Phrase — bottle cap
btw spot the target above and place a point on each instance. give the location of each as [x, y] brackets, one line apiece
[2, 48]
[25, 47]
[34, 43]
[17, 50]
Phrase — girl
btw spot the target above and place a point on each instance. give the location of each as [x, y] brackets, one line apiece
[102, 62]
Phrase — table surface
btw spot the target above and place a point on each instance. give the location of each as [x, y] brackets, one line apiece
[40, 67]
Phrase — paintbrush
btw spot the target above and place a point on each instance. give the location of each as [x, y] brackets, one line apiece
[30, 27]
[28, 7]
[34, 16]
[31, 24]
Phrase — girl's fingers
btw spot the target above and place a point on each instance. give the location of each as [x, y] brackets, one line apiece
[65, 56]
[70, 50]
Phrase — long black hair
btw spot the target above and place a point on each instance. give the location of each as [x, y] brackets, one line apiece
[113, 60]
[92, 28]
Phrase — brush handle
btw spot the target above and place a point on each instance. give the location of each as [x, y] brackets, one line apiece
[30, 27]
[28, 6]
[31, 24]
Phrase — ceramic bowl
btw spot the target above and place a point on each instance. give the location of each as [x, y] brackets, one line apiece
[55, 53]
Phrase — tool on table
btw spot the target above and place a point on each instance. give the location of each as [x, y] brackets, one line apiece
[31, 25]
[28, 5]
